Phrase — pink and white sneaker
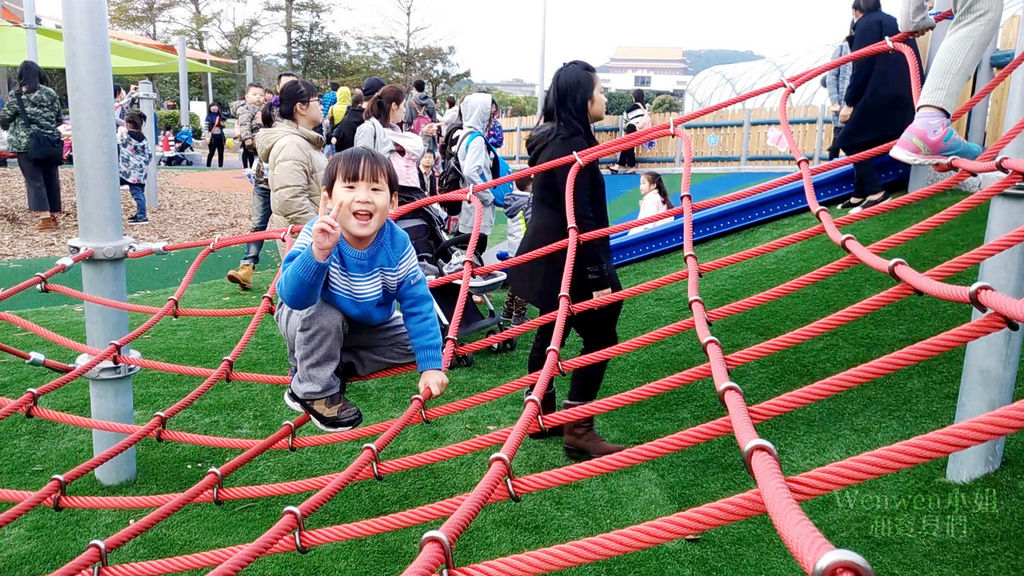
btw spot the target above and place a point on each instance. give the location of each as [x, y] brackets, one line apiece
[932, 140]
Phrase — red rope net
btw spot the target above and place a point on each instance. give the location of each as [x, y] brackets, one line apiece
[776, 495]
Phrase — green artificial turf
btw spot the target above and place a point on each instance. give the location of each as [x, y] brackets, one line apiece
[911, 522]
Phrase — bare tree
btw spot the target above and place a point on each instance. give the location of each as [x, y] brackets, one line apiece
[406, 47]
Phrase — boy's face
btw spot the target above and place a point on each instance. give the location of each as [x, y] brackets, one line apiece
[364, 209]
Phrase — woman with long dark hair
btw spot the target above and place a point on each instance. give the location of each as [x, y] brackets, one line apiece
[215, 123]
[575, 100]
[380, 131]
[291, 151]
[32, 107]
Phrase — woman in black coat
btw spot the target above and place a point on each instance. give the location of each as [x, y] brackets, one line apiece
[879, 102]
[575, 100]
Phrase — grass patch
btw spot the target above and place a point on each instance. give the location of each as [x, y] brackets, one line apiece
[904, 524]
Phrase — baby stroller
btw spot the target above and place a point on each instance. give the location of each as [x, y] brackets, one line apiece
[439, 256]
[183, 143]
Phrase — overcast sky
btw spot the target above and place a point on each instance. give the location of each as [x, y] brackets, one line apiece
[501, 40]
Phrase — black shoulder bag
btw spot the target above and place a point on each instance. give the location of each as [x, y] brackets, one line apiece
[42, 146]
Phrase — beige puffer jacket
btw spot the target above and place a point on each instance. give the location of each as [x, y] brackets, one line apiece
[295, 169]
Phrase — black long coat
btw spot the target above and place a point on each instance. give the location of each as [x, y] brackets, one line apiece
[879, 90]
[539, 281]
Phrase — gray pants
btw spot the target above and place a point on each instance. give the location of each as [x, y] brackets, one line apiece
[976, 23]
[324, 347]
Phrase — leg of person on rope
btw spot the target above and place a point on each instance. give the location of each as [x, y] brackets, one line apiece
[260, 217]
[930, 138]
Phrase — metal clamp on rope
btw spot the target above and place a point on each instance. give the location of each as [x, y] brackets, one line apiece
[440, 538]
[888, 42]
[753, 446]
[376, 460]
[285, 234]
[36, 359]
[174, 306]
[707, 341]
[62, 491]
[231, 366]
[973, 295]
[672, 125]
[41, 287]
[102, 547]
[802, 161]
[291, 437]
[67, 262]
[540, 420]
[212, 244]
[846, 238]
[163, 425]
[842, 558]
[268, 296]
[567, 299]
[35, 400]
[118, 350]
[817, 213]
[158, 248]
[218, 486]
[299, 529]
[423, 406]
[892, 268]
[725, 388]
[999, 161]
[469, 195]
[509, 476]
[578, 160]
[789, 85]
[558, 359]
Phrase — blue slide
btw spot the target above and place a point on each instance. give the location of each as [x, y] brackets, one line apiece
[784, 200]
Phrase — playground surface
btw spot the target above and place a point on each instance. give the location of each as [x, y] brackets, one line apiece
[192, 204]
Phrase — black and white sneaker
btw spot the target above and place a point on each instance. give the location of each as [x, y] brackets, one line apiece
[851, 203]
[869, 202]
[137, 220]
[333, 413]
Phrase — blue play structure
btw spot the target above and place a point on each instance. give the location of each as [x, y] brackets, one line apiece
[788, 199]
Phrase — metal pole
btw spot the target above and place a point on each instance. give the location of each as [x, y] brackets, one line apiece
[979, 116]
[519, 136]
[991, 363]
[919, 174]
[819, 134]
[31, 46]
[87, 54]
[209, 87]
[182, 46]
[248, 69]
[147, 99]
[540, 79]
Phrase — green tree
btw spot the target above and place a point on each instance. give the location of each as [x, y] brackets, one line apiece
[618, 102]
[147, 17]
[665, 103]
[434, 64]
[296, 16]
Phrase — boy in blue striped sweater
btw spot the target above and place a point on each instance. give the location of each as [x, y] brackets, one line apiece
[338, 288]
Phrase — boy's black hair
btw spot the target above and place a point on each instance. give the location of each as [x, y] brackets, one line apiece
[135, 119]
[359, 164]
[333, 86]
[866, 6]
[252, 85]
[523, 184]
[419, 85]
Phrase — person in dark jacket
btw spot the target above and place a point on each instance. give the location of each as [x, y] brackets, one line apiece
[575, 100]
[878, 102]
[344, 135]
[33, 107]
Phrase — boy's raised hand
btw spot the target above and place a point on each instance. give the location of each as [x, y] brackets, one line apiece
[434, 380]
[326, 230]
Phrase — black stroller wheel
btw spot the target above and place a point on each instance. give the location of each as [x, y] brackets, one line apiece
[497, 346]
[510, 344]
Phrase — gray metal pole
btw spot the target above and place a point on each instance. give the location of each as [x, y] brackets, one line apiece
[209, 87]
[147, 99]
[540, 79]
[248, 69]
[87, 53]
[182, 46]
[745, 149]
[991, 363]
[31, 46]
[819, 135]
[919, 174]
[979, 116]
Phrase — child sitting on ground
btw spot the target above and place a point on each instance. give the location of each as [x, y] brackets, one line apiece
[518, 206]
[134, 156]
[651, 204]
[338, 287]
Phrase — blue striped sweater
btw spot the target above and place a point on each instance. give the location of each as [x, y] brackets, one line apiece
[365, 284]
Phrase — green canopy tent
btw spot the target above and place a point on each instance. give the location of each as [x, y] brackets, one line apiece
[125, 58]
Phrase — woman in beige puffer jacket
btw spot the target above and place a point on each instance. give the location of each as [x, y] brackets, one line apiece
[292, 153]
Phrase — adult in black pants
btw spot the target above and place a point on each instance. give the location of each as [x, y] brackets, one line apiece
[878, 101]
[215, 126]
[33, 107]
[633, 116]
[575, 100]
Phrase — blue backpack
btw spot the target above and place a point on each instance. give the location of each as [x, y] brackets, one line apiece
[499, 168]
